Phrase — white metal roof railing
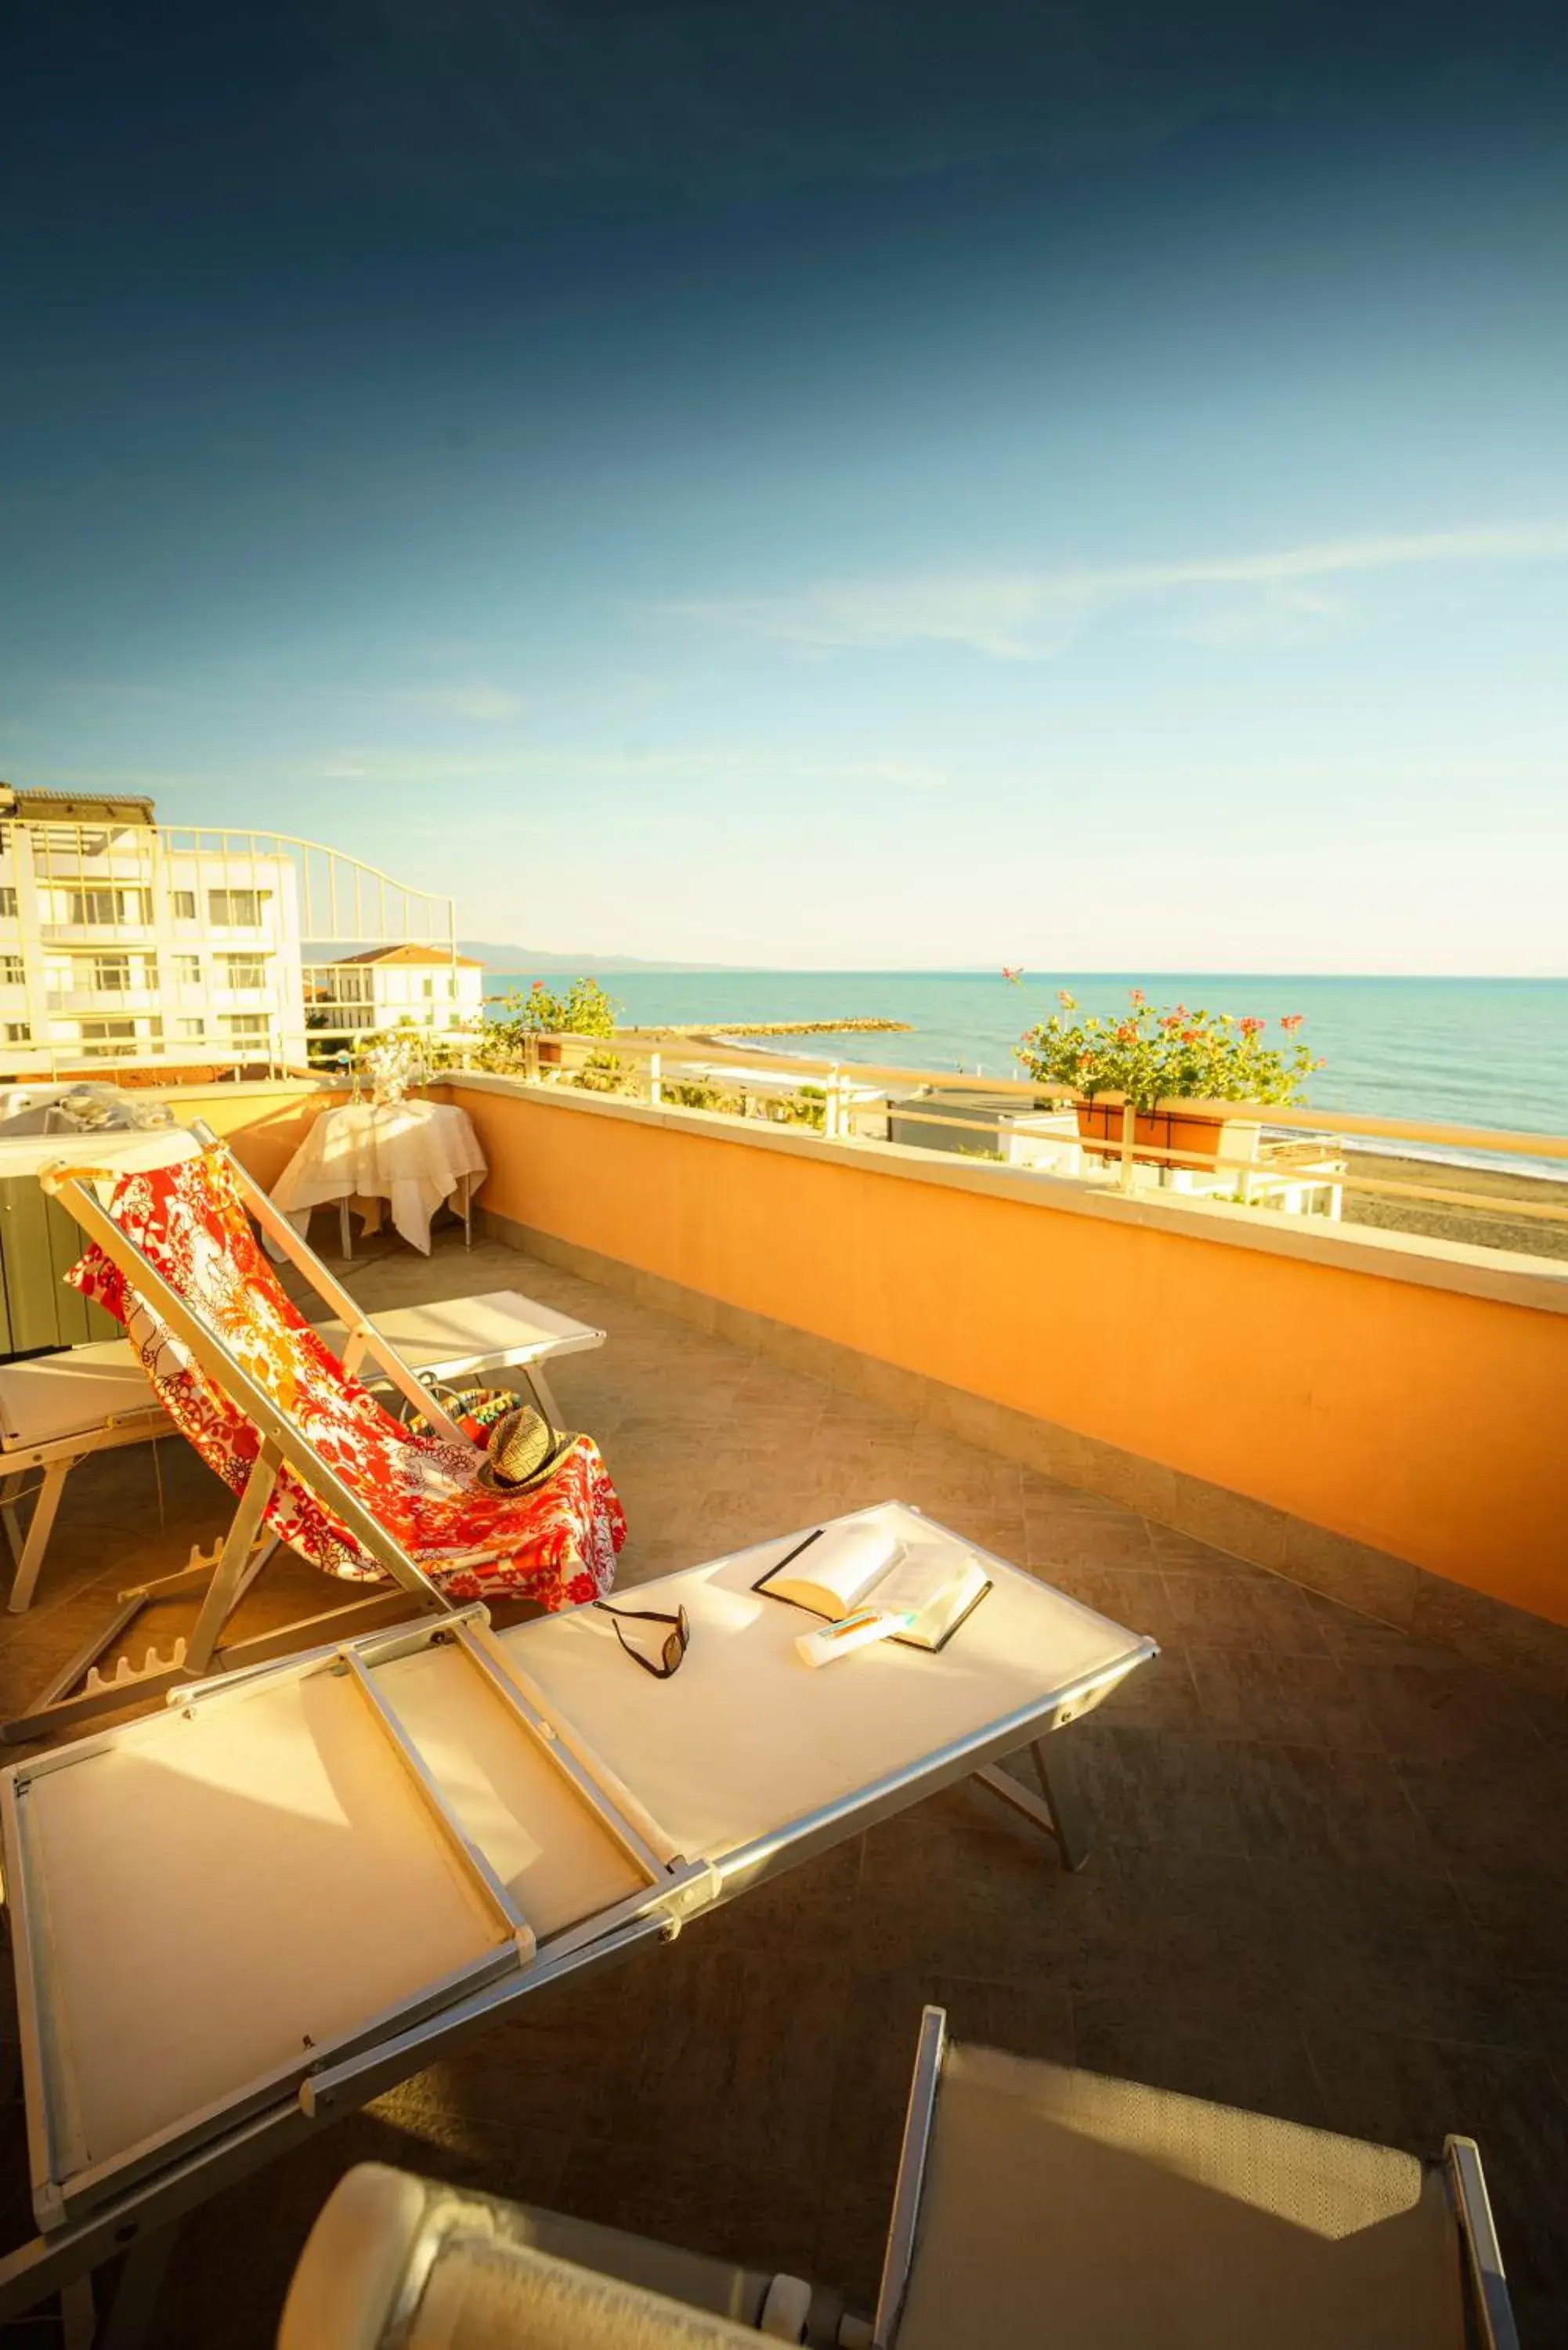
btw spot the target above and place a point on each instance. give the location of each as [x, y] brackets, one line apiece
[342, 900]
[1113, 1158]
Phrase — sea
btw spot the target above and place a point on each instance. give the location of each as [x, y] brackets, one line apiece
[1464, 1052]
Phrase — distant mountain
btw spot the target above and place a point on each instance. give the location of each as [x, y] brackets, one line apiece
[529, 960]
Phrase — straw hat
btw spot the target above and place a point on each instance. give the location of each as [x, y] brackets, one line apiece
[523, 1452]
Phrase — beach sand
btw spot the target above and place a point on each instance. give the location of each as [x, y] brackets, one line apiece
[1479, 1227]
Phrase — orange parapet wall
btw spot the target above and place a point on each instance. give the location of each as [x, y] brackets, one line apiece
[1406, 1396]
[264, 1124]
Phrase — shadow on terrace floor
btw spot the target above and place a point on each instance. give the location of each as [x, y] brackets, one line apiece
[1327, 1880]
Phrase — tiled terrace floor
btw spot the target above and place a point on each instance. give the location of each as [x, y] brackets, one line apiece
[1328, 1878]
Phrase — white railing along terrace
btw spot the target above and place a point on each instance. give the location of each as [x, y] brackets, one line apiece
[852, 1095]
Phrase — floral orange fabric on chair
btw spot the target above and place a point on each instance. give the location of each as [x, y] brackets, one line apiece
[557, 1544]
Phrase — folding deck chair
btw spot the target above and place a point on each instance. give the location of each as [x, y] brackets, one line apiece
[1036, 2208]
[57, 1410]
[241, 1371]
[293, 1888]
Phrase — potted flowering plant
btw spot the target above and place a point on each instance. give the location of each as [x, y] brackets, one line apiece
[1151, 1055]
[581, 1010]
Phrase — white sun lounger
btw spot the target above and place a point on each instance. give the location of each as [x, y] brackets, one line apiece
[297, 1886]
[463, 1338]
[55, 1411]
[1024, 2186]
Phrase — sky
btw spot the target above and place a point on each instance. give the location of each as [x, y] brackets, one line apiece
[812, 483]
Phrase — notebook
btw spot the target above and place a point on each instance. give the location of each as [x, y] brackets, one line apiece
[863, 1562]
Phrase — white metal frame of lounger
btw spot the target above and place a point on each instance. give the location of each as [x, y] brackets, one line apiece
[238, 1562]
[262, 2120]
[1462, 2171]
[56, 1457]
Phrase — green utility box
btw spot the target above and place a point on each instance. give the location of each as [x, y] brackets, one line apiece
[38, 1245]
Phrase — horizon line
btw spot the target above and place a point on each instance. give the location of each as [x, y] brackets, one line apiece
[658, 967]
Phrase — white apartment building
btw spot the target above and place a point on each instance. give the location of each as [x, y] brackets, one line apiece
[124, 940]
[394, 987]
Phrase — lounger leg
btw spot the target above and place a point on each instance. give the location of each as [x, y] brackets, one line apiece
[1051, 1809]
[78, 2319]
[534, 1374]
[130, 2318]
[38, 1533]
[10, 1494]
[235, 1570]
[344, 1236]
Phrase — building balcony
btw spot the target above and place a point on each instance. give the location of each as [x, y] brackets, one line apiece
[1322, 1470]
[103, 1003]
[97, 934]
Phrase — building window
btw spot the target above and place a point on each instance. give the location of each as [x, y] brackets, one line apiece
[106, 1039]
[187, 971]
[430, 991]
[111, 973]
[96, 909]
[237, 909]
[241, 971]
[12, 971]
[246, 1024]
[17, 1033]
[189, 1028]
[7, 904]
[184, 905]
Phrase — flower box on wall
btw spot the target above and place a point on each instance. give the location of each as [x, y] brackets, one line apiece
[1190, 1141]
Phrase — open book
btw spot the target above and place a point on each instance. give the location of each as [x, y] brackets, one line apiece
[864, 1563]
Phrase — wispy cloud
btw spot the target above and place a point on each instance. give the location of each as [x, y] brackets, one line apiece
[480, 704]
[371, 765]
[1029, 615]
[716, 768]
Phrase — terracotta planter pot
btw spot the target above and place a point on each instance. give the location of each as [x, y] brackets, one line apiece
[1193, 1143]
[549, 1057]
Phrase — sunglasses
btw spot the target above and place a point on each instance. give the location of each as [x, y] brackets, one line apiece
[675, 1645]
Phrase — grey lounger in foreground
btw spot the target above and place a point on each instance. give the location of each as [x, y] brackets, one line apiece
[1036, 2206]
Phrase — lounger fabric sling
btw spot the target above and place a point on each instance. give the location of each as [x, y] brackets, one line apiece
[556, 1545]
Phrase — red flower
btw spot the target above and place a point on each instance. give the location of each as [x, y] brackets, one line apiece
[1137, 996]
[1190, 1035]
[1252, 1026]
[1291, 1022]
[1127, 1034]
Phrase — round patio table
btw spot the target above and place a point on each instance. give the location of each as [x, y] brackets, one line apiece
[412, 1154]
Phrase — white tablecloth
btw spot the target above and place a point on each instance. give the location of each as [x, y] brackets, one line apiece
[414, 1154]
